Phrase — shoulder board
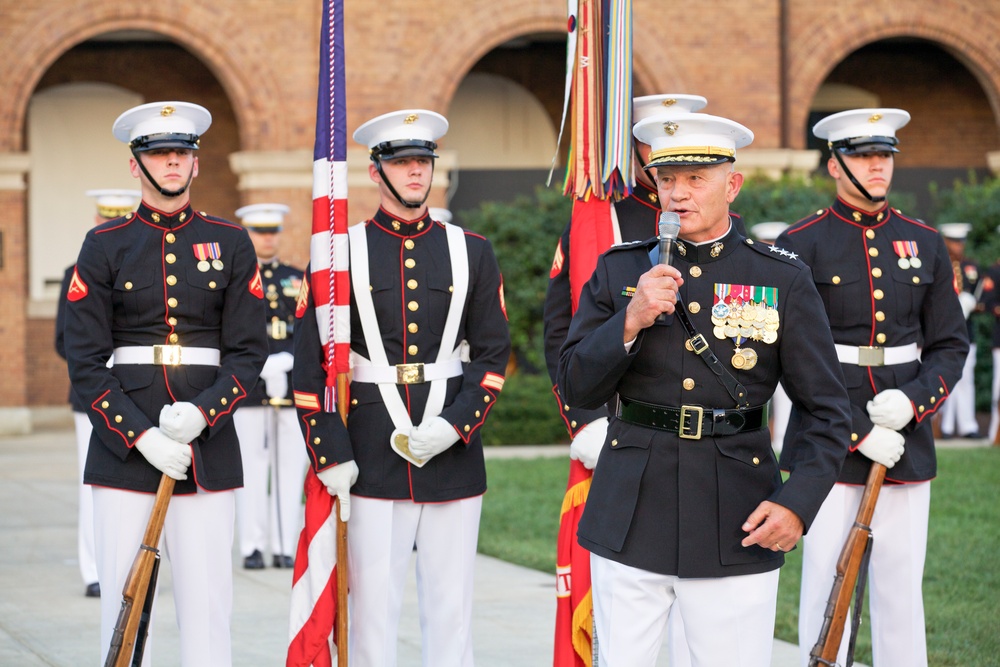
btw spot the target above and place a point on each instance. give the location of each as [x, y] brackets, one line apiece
[772, 251]
[626, 245]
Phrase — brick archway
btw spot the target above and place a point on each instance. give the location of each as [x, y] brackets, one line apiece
[828, 44]
[231, 62]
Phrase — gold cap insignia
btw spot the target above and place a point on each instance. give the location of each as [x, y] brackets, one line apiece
[411, 119]
[669, 102]
[875, 118]
[670, 128]
[167, 111]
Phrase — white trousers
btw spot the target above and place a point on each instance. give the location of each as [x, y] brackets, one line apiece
[197, 539]
[85, 505]
[958, 414]
[382, 536]
[269, 507]
[727, 620]
[781, 409]
[995, 395]
[895, 573]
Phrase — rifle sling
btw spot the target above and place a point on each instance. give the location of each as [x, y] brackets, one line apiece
[859, 599]
[700, 345]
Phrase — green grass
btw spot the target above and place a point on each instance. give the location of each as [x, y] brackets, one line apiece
[961, 577]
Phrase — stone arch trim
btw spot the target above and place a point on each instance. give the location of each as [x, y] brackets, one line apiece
[231, 63]
[967, 43]
[506, 20]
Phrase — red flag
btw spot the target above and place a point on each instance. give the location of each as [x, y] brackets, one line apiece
[314, 581]
[574, 605]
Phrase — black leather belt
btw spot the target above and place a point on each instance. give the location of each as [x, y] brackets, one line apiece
[692, 421]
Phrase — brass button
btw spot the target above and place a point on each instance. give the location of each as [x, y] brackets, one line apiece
[688, 346]
[171, 280]
[854, 437]
[155, 217]
[131, 434]
[480, 414]
[451, 288]
[413, 305]
[212, 412]
[412, 349]
[172, 321]
[172, 302]
[688, 384]
[170, 238]
[880, 316]
[236, 390]
[269, 274]
[118, 419]
[756, 461]
[873, 252]
[870, 233]
[467, 428]
[836, 280]
[173, 338]
[224, 400]
[565, 407]
[486, 398]
[408, 244]
[878, 294]
[412, 327]
[940, 390]
[933, 400]
[128, 284]
[410, 263]
[212, 284]
[312, 422]
[354, 401]
[411, 283]
[322, 459]
[171, 258]
[916, 280]
[921, 408]
[273, 305]
[105, 405]
[694, 307]
[877, 272]
[696, 271]
[880, 338]
[614, 443]
[316, 441]
[573, 424]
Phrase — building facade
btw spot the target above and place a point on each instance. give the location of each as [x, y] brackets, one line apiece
[496, 69]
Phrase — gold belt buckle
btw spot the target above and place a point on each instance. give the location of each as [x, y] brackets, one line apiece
[409, 373]
[167, 355]
[695, 412]
[871, 356]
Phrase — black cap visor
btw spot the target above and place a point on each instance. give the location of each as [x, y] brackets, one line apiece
[390, 150]
[865, 145]
[166, 140]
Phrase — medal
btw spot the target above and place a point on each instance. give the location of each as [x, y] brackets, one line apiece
[720, 332]
[904, 263]
[770, 336]
[915, 262]
[738, 361]
[749, 357]
[203, 266]
[217, 264]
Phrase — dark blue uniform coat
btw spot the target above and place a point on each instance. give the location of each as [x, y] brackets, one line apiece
[676, 506]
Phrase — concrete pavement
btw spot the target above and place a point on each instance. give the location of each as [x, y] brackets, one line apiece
[46, 621]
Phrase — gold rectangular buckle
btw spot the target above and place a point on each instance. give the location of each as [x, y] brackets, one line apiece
[167, 355]
[698, 344]
[871, 356]
[695, 412]
[409, 373]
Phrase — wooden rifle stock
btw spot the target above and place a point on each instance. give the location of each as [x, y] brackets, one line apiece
[137, 585]
[824, 653]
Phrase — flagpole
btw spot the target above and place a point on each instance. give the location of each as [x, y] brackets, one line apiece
[341, 619]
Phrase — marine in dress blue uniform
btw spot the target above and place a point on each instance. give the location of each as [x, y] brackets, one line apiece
[175, 296]
[887, 284]
[958, 415]
[687, 505]
[111, 204]
[418, 467]
[269, 506]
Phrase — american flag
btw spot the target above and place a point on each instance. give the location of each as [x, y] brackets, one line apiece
[314, 582]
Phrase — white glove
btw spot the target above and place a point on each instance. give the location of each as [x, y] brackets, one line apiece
[882, 445]
[170, 457]
[182, 421]
[338, 480]
[275, 374]
[891, 409]
[432, 437]
[968, 303]
[588, 443]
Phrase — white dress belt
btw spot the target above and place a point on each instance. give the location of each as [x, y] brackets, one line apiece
[404, 373]
[877, 356]
[167, 355]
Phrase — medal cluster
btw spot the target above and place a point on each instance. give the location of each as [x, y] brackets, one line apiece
[743, 321]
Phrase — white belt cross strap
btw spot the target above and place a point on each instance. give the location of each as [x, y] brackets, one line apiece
[167, 355]
[378, 365]
[877, 356]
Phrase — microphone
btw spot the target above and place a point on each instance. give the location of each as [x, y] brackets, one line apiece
[668, 227]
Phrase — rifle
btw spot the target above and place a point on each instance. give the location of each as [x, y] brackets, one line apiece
[137, 594]
[848, 567]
